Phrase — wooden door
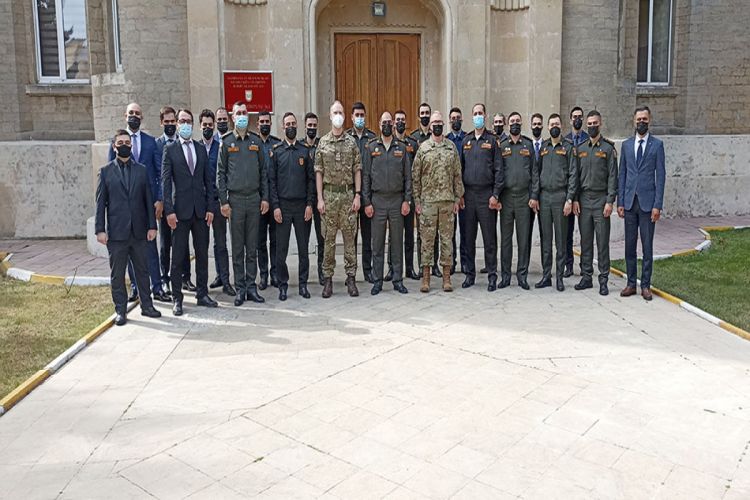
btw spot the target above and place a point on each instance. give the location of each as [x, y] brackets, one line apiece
[381, 70]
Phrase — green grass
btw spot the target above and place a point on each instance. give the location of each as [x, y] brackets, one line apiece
[39, 321]
[716, 280]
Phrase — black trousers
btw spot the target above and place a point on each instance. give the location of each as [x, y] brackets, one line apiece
[221, 254]
[180, 240]
[120, 253]
[267, 233]
[408, 242]
[477, 211]
[571, 222]
[165, 238]
[535, 216]
[293, 215]
[365, 227]
[319, 238]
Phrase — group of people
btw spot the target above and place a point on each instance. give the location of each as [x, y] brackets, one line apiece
[260, 187]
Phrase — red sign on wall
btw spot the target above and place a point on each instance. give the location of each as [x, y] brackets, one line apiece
[253, 87]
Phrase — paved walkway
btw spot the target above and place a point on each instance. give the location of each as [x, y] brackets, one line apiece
[471, 395]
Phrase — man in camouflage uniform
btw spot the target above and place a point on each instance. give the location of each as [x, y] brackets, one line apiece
[338, 173]
[437, 188]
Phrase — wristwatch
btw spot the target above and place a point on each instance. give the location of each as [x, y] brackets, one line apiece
[358, 193]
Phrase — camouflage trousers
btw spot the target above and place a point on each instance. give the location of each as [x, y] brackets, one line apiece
[339, 216]
[437, 219]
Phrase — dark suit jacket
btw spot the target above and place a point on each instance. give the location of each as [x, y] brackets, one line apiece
[150, 157]
[645, 179]
[186, 194]
[124, 212]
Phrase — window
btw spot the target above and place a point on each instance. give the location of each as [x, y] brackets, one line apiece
[116, 35]
[62, 49]
[654, 41]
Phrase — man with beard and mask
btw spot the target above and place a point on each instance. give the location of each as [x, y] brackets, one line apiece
[362, 136]
[222, 123]
[386, 196]
[311, 143]
[145, 151]
[537, 122]
[437, 189]
[409, 220]
[577, 136]
[219, 224]
[597, 167]
[242, 182]
[556, 185]
[125, 222]
[519, 166]
[422, 133]
[338, 178]
[483, 182]
[456, 135]
[641, 198]
[267, 229]
[498, 127]
[292, 181]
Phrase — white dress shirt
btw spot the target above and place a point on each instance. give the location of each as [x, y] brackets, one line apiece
[637, 143]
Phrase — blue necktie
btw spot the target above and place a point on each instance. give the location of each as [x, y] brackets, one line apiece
[536, 147]
[639, 155]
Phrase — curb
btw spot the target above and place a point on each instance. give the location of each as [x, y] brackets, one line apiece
[54, 366]
[25, 275]
[704, 245]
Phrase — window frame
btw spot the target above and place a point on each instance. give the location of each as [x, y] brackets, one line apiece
[649, 57]
[62, 66]
[116, 35]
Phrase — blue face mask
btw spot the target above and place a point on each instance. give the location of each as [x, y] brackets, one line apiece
[241, 122]
[186, 130]
[359, 122]
[478, 121]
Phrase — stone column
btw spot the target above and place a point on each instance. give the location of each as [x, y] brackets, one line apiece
[203, 55]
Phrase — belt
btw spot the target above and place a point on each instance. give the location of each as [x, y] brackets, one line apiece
[334, 188]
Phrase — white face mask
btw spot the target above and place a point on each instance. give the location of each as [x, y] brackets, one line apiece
[337, 121]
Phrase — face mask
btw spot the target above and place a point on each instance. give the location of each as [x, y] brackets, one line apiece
[359, 122]
[578, 123]
[291, 133]
[134, 122]
[123, 151]
[424, 120]
[208, 133]
[437, 130]
[515, 129]
[554, 132]
[312, 132]
[537, 131]
[478, 121]
[265, 129]
[641, 128]
[400, 127]
[456, 125]
[241, 122]
[499, 129]
[593, 131]
[337, 121]
[387, 129]
[222, 127]
[186, 131]
[170, 129]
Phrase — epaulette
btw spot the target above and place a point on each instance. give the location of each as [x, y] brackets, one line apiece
[227, 133]
[273, 138]
[607, 141]
[527, 138]
[565, 139]
[275, 145]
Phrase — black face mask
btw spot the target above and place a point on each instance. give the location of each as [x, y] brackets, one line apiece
[515, 129]
[456, 125]
[265, 129]
[424, 120]
[499, 129]
[400, 127]
[290, 133]
[387, 129]
[554, 132]
[641, 128]
[170, 129]
[123, 151]
[437, 130]
[578, 123]
[593, 131]
[222, 127]
[536, 131]
[134, 122]
[207, 133]
[312, 132]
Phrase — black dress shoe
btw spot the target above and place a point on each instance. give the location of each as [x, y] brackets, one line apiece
[399, 287]
[469, 281]
[603, 289]
[543, 283]
[523, 284]
[252, 295]
[151, 313]
[275, 282]
[389, 275]
[369, 277]
[321, 279]
[229, 290]
[411, 274]
[560, 285]
[263, 283]
[377, 288]
[436, 272]
[303, 291]
[239, 299]
[121, 319]
[568, 272]
[167, 286]
[504, 283]
[282, 292]
[189, 286]
[216, 283]
[492, 284]
[483, 270]
[162, 296]
[583, 284]
[177, 309]
[207, 301]
[133, 295]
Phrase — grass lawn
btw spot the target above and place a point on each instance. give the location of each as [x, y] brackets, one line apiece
[716, 280]
[39, 321]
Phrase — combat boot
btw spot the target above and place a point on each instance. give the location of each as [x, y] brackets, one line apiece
[447, 287]
[425, 279]
[327, 287]
[351, 287]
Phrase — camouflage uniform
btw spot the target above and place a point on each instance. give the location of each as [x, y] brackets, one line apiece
[338, 159]
[437, 186]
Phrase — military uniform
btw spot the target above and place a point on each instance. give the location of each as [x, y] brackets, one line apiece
[338, 159]
[316, 214]
[242, 181]
[576, 139]
[483, 178]
[557, 183]
[458, 139]
[411, 148]
[267, 229]
[292, 184]
[419, 137]
[597, 164]
[364, 221]
[518, 166]
[386, 184]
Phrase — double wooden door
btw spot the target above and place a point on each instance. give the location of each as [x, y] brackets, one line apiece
[381, 71]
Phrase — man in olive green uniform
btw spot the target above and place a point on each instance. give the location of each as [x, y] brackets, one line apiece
[437, 188]
[338, 177]
[597, 163]
[519, 166]
[409, 220]
[556, 184]
[386, 194]
[242, 180]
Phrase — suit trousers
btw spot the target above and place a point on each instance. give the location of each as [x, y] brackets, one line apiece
[365, 227]
[221, 254]
[180, 249]
[165, 238]
[637, 220]
[293, 215]
[120, 253]
[320, 242]
[266, 253]
[152, 264]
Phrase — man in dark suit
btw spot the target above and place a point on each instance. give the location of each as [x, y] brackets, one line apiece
[189, 199]
[125, 222]
[641, 188]
[144, 151]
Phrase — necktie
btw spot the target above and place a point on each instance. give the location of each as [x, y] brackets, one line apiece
[639, 155]
[536, 147]
[125, 175]
[191, 163]
[136, 149]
